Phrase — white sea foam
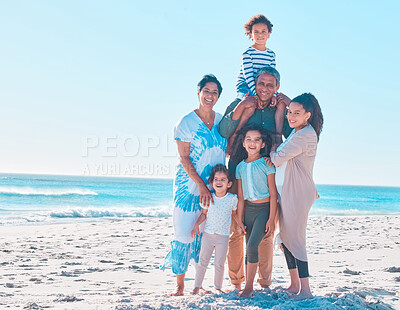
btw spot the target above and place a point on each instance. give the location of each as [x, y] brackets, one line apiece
[25, 190]
[82, 213]
[338, 212]
[160, 211]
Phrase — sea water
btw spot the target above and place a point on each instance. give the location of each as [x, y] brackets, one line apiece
[30, 199]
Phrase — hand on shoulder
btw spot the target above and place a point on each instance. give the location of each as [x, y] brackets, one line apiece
[268, 162]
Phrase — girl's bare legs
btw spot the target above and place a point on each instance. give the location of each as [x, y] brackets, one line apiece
[251, 269]
[180, 285]
[294, 287]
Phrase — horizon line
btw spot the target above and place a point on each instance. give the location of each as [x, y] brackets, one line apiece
[159, 178]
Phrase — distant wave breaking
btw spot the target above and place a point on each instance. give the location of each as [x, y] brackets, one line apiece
[162, 211]
[16, 190]
[348, 212]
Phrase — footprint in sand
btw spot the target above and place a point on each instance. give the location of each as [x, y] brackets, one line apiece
[352, 272]
[393, 269]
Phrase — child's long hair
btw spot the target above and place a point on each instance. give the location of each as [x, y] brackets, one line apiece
[239, 153]
[310, 104]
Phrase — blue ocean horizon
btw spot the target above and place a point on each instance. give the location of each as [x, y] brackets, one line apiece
[34, 199]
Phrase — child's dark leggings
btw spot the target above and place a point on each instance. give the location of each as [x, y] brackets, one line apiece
[256, 216]
[292, 263]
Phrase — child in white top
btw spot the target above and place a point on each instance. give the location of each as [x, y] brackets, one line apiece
[258, 29]
[217, 227]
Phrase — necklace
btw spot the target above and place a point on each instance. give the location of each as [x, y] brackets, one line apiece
[203, 118]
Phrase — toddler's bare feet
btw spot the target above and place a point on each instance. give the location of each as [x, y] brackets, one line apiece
[200, 290]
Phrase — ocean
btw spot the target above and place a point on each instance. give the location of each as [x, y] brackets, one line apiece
[35, 199]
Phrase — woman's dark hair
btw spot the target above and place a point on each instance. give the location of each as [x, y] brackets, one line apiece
[220, 168]
[239, 153]
[310, 104]
[209, 78]
[258, 19]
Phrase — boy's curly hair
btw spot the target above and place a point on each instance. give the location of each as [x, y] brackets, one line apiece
[258, 19]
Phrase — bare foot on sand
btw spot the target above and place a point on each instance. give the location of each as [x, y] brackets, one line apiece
[264, 286]
[292, 289]
[196, 291]
[234, 287]
[247, 292]
[200, 290]
[219, 291]
[178, 292]
[302, 296]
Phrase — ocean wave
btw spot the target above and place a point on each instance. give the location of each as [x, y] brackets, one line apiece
[30, 191]
[161, 211]
[337, 212]
[351, 199]
[73, 214]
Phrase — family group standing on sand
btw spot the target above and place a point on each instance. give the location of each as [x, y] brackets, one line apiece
[268, 183]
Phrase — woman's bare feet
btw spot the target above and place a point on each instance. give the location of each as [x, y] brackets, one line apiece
[302, 296]
[178, 292]
[293, 289]
[180, 285]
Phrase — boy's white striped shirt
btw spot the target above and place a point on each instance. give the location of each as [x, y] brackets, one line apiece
[252, 61]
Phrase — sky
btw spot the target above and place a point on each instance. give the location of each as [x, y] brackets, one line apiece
[96, 87]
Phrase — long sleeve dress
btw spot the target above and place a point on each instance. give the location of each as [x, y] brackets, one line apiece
[294, 161]
[207, 149]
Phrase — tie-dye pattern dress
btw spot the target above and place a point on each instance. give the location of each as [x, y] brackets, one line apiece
[207, 149]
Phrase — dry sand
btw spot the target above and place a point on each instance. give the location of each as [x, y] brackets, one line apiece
[354, 264]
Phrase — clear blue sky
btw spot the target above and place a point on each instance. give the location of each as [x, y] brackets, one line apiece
[73, 72]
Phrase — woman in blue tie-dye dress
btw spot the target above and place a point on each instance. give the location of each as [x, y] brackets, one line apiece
[200, 148]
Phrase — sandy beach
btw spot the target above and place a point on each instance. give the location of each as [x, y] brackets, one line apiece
[354, 264]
